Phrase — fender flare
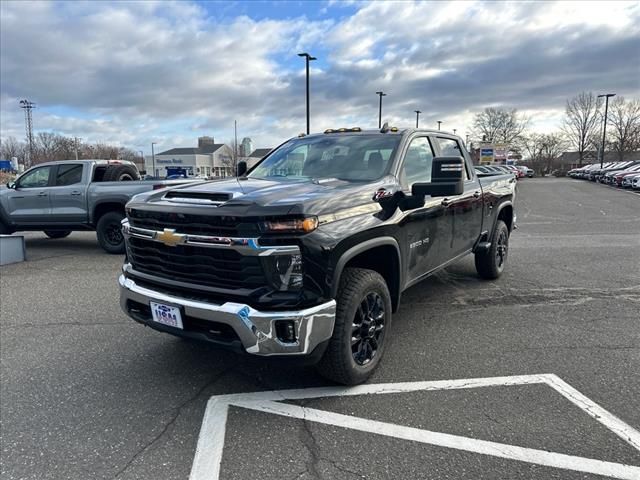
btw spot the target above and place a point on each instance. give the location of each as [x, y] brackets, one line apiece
[502, 206]
[361, 248]
[96, 206]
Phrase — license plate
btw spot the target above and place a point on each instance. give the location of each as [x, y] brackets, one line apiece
[166, 314]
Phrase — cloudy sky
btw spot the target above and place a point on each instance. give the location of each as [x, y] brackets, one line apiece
[136, 72]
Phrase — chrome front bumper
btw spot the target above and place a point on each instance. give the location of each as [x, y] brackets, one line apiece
[255, 329]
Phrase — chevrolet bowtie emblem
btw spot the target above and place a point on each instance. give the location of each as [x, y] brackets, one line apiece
[170, 238]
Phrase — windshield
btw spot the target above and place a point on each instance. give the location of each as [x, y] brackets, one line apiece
[345, 157]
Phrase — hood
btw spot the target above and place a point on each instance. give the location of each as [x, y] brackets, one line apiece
[252, 196]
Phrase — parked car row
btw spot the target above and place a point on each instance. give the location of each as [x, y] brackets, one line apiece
[618, 174]
[519, 171]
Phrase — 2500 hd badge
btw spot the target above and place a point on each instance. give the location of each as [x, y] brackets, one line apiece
[303, 256]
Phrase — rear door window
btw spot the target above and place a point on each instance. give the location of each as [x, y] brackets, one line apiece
[69, 174]
[451, 148]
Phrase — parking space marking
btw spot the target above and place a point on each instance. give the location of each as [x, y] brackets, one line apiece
[209, 451]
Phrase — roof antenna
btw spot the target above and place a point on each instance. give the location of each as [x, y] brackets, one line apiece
[385, 128]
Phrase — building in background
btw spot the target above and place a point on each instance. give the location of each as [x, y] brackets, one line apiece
[208, 159]
[246, 147]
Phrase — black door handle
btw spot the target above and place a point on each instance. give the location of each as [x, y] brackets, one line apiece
[43, 194]
[76, 193]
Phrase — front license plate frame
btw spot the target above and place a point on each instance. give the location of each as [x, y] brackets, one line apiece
[168, 315]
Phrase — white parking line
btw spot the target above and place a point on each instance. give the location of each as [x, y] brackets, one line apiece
[210, 447]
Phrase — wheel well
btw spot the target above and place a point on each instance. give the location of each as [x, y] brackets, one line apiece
[103, 208]
[384, 260]
[506, 215]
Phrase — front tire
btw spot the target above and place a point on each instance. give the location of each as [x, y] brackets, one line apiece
[57, 233]
[490, 263]
[363, 320]
[109, 232]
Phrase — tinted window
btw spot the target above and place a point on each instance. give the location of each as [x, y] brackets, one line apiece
[346, 157]
[35, 178]
[417, 162]
[68, 174]
[450, 148]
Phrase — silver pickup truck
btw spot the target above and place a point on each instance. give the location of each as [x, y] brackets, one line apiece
[61, 197]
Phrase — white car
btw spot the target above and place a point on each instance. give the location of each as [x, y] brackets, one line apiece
[635, 182]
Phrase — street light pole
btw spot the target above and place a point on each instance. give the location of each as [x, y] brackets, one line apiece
[454, 131]
[153, 159]
[381, 94]
[307, 58]
[439, 122]
[418, 112]
[604, 128]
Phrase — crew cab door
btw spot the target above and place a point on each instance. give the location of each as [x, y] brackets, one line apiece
[28, 203]
[421, 228]
[68, 193]
[463, 213]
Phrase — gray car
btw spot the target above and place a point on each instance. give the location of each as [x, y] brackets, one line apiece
[60, 197]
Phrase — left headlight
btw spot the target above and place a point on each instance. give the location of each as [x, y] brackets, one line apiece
[296, 225]
[284, 271]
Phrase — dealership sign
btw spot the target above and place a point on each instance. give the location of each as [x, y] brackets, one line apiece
[486, 155]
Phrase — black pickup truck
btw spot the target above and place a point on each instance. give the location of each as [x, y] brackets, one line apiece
[308, 253]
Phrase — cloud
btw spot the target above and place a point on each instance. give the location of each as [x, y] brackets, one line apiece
[137, 72]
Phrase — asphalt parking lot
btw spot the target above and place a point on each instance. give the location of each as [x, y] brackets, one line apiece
[88, 394]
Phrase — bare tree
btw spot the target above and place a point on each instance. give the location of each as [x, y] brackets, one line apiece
[543, 150]
[553, 144]
[497, 125]
[531, 147]
[624, 118]
[581, 122]
[11, 148]
[228, 158]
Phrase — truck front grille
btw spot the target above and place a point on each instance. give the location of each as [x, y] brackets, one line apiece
[210, 267]
[224, 226]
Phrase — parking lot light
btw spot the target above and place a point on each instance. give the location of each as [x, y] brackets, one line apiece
[381, 94]
[308, 58]
[604, 128]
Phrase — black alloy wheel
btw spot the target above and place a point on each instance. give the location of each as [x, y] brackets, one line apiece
[491, 262]
[362, 323]
[368, 328]
[109, 232]
[502, 249]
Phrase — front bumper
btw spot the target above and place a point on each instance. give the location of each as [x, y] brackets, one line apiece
[255, 329]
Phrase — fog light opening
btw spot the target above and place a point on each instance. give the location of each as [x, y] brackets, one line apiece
[286, 331]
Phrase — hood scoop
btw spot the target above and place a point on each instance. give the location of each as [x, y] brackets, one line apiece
[199, 198]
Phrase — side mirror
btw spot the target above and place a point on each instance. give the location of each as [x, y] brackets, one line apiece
[447, 178]
[11, 185]
[241, 169]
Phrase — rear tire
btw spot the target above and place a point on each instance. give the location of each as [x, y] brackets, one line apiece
[490, 263]
[57, 233]
[109, 232]
[363, 320]
[120, 173]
